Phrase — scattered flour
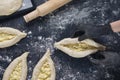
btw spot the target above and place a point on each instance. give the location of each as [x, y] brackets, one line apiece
[43, 44]
[57, 24]
[30, 32]
[5, 59]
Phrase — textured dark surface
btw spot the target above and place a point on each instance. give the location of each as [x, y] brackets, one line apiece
[43, 32]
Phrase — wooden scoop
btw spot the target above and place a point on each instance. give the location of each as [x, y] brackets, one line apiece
[45, 8]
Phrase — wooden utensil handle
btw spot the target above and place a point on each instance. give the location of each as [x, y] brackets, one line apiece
[115, 26]
[45, 8]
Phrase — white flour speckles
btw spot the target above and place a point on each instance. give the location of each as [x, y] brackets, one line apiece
[78, 73]
[118, 34]
[23, 4]
[61, 27]
[29, 77]
[115, 42]
[0, 57]
[95, 71]
[27, 45]
[43, 43]
[30, 62]
[40, 28]
[39, 37]
[5, 58]
[49, 39]
[108, 76]
[61, 20]
[84, 13]
[70, 75]
[68, 16]
[29, 33]
[115, 12]
[30, 69]
[58, 64]
[1, 70]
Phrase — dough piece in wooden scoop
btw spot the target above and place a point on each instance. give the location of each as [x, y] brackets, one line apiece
[78, 49]
[8, 7]
[10, 36]
[17, 70]
[45, 69]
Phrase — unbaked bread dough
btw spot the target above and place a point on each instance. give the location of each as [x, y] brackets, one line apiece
[17, 69]
[78, 49]
[7, 7]
[45, 69]
[10, 36]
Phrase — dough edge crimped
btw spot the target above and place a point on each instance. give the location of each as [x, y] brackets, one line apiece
[11, 66]
[76, 54]
[39, 64]
[10, 7]
[19, 35]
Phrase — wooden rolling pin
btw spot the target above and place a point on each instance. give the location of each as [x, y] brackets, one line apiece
[115, 26]
[45, 8]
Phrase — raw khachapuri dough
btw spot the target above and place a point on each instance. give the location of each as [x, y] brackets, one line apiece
[7, 7]
[17, 69]
[78, 49]
[10, 36]
[45, 69]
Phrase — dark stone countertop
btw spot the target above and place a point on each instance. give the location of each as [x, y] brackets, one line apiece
[43, 32]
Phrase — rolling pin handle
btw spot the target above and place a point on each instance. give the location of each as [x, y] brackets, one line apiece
[115, 26]
[45, 8]
[29, 17]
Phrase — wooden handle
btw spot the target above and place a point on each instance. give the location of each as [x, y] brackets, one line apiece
[45, 8]
[34, 14]
[115, 26]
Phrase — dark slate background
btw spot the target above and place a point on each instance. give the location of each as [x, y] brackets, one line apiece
[62, 23]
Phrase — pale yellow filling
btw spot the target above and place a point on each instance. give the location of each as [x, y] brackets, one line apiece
[16, 74]
[80, 46]
[45, 71]
[6, 36]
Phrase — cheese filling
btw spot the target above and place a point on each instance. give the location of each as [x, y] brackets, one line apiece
[16, 74]
[45, 71]
[80, 46]
[6, 36]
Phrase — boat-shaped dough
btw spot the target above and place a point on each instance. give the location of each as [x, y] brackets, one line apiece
[8, 7]
[17, 70]
[45, 69]
[78, 49]
[10, 36]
